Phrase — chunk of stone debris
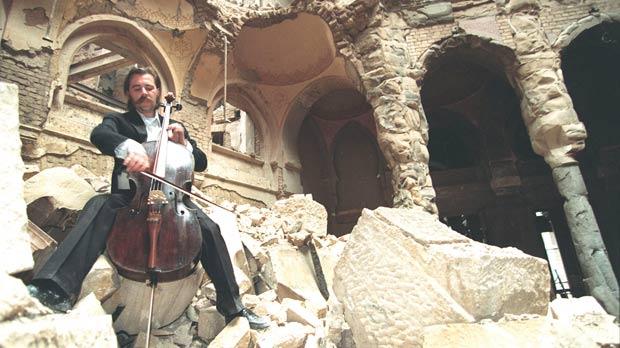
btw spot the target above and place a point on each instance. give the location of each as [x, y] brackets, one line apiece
[269, 295]
[396, 276]
[290, 335]
[525, 331]
[210, 323]
[67, 189]
[15, 255]
[15, 301]
[88, 306]
[336, 327]
[291, 274]
[296, 312]
[155, 341]
[55, 197]
[274, 310]
[311, 214]
[235, 335]
[568, 309]
[227, 222]
[61, 329]
[208, 291]
[102, 280]
[99, 184]
[299, 238]
[250, 300]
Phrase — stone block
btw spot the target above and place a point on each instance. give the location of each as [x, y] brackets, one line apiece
[210, 323]
[63, 330]
[102, 280]
[524, 331]
[403, 270]
[15, 254]
[569, 309]
[295, 312]
[235, 335]
[67, 189]
[290, 272]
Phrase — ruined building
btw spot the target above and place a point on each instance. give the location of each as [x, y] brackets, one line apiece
[491, 114]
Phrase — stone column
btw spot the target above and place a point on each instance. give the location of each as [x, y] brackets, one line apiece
[557, 135]
[402, 130]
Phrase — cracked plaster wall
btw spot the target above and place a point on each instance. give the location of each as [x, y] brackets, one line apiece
[382, 43]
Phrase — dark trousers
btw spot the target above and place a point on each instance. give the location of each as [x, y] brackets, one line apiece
[75, 256]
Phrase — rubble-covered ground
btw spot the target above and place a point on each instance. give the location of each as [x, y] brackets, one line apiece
[399, 279]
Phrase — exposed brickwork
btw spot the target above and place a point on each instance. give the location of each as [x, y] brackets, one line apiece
[33, 79]
[555, 19]
[423, 38]
[194, 118]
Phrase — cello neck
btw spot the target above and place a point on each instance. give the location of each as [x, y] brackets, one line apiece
[159, 166]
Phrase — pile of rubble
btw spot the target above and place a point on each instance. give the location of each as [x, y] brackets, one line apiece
[400, 279]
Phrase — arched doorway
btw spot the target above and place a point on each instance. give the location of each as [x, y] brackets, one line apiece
[342, 166]
[490, 185]
[591, 73]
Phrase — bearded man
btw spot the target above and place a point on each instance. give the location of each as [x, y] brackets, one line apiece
[58, 282]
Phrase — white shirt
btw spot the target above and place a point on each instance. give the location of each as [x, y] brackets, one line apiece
[153, 130]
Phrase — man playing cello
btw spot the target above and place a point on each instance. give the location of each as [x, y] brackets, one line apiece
[57, 284]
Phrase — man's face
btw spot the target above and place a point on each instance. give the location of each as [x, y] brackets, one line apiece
[143, 94]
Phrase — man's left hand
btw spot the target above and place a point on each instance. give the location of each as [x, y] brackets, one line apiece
[176, 133]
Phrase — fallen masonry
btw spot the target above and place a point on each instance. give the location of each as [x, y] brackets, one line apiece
[401, 278]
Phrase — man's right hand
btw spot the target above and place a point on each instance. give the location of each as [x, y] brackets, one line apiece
[137, 162]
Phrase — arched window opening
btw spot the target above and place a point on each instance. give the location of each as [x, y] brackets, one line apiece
[233, 128]
[97, 72]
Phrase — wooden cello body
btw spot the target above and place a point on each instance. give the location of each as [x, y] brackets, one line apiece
[179, 240]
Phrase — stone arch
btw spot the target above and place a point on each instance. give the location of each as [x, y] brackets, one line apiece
[125, 34]
[493, 55]
[299, 107]
[576, 28]
[495, 185]
[246, 100]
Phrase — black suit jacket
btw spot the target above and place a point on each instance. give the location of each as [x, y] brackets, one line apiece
[116, 128]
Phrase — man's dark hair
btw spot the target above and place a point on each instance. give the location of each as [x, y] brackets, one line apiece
[136, 70]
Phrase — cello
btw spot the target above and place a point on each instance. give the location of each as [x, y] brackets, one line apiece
[157, 236]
